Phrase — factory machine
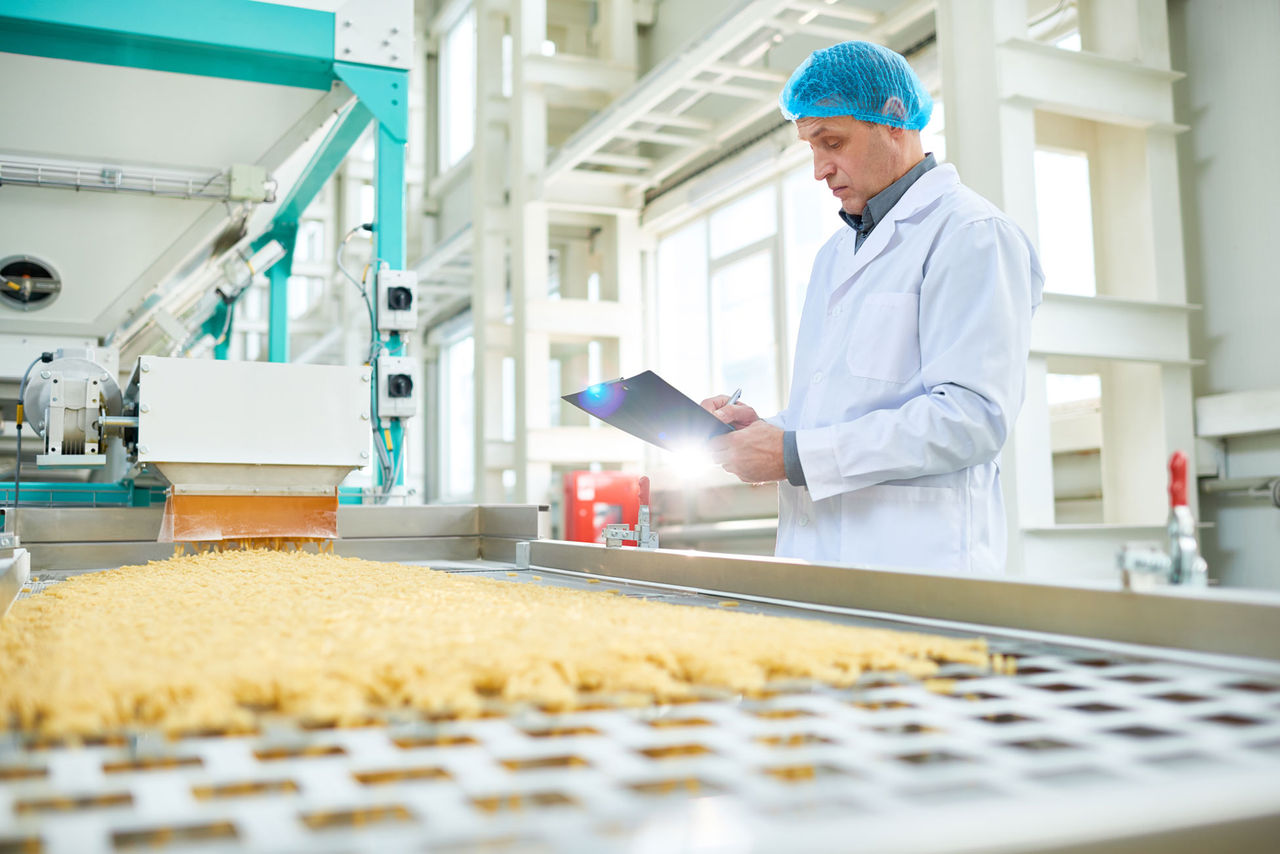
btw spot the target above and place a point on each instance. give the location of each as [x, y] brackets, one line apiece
[1144, 714]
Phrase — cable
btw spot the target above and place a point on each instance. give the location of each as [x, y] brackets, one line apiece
[226, 326]
[17, 465]
[388, 469]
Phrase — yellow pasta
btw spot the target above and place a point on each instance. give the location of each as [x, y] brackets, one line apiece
[213, 640]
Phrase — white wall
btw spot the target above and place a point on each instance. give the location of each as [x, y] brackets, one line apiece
[1230, 182]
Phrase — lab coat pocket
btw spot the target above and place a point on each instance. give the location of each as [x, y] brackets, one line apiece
[885, 341]
[918, 527]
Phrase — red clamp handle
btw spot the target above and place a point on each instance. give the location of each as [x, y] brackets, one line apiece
[1178, 479]
[644, 491]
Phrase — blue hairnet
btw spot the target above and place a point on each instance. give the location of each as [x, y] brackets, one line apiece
[859, 79]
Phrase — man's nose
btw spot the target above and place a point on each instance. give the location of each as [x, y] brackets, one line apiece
[822, 168]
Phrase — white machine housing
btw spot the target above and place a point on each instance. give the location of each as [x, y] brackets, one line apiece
[213, 427]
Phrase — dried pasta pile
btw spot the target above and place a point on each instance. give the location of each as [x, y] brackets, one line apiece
[210, 641]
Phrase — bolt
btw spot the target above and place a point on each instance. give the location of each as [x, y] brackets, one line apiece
[395, 31]
[364, 416]
[346, 50]
[106, 377]
[143, 449]
[393, 59]
[44, 375]
[364, 377]
[256, 490]
[346, 23]
[386, 43]
[146, 366]
[364, 455]
[144, 408]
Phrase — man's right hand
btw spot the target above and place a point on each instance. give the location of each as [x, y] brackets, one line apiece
[735, 415]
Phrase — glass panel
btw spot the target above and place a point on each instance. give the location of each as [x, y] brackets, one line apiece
[509, 399]
[683, 358]
[310, 244]
[745, 352]
[554, 373]
[251, 302]
[1068, 388]
[457, 445]
[933, 136]
[304, 294]
[810, 215]
[252, 346]
[458, 91]
[744, 221]
[1064, 212]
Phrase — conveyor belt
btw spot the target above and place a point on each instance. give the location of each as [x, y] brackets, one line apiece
[1088, 743]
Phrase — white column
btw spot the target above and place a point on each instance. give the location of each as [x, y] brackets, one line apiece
[529, 236]
[488, 248]
[992, 143]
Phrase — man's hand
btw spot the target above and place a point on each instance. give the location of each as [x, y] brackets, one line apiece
[736, 415]
[753, 454]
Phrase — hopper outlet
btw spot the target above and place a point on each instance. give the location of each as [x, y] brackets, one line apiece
[251, 450]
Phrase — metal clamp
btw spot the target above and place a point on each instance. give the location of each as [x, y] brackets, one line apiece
[1143, 565]
[642, 535]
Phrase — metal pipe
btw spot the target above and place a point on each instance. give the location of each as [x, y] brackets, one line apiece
[1252, 487]
[117, 423]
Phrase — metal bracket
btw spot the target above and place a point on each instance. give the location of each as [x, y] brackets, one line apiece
[1144, 565]
[615, 535]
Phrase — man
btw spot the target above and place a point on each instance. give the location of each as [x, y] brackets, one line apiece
[913, 340]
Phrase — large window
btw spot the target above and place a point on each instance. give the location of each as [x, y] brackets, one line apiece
[808, 218]
[1065, 220]
[458, 90]
[745, 350]
[683, 345]
[457, 419]
[730, 287]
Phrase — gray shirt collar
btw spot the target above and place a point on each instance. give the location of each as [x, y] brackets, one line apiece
[879, 205]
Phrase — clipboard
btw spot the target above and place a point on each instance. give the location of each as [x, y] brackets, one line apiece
[650, 408]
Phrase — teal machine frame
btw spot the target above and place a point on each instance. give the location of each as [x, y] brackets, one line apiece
[256, 42]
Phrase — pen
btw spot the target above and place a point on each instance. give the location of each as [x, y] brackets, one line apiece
[733, 398]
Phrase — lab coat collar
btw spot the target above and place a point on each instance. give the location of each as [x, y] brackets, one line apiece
[924, 192]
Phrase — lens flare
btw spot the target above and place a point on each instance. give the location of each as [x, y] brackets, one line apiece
[603, 399]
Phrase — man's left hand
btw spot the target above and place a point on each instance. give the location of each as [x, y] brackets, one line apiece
[752, 454]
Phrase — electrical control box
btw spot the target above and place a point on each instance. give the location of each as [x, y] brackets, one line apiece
[399, 385]
[397, 300]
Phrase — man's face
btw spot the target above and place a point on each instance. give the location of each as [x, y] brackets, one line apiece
[855, 159]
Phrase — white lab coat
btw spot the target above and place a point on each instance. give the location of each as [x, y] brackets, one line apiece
[908, 378]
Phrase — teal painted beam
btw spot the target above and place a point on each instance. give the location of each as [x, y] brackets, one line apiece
[278, 294]
[385, 91]
[388, 220]
[233, 39]
[389, 237]
[328, 157]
